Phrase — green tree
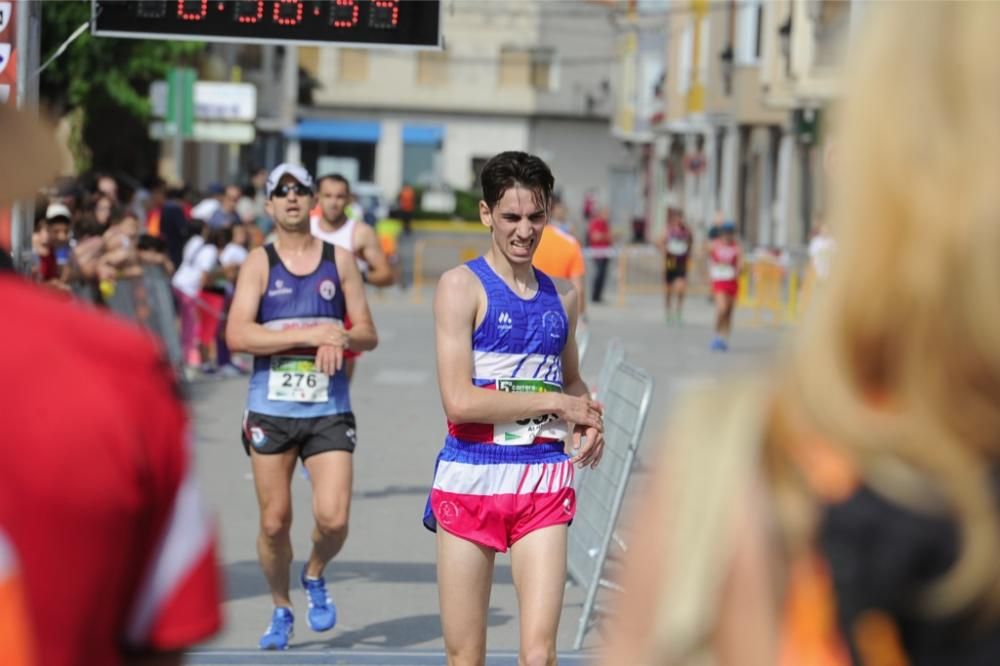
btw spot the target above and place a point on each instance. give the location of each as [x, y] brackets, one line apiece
[102, 76]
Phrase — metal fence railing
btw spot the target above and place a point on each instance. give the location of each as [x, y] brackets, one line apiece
[626, 395]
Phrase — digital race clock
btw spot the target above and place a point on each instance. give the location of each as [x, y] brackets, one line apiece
[397, 23]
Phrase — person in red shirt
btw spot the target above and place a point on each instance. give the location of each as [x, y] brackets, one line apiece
[97, 492]
[599, 239]
[725, 259]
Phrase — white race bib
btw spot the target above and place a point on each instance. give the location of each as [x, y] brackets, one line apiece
[524, 431]
[677, 247]
[722, 272]
[295, 379]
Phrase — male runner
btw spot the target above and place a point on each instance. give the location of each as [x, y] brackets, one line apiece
[333, 225]
[725, 259]
[291, 299]
[677, 250]
[512, 392]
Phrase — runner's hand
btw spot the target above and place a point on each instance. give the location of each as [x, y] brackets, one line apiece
[329, 359]
[328, 334]
[588, 446]
[582, 411]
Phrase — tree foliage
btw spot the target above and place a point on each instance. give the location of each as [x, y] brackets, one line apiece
[102, 69]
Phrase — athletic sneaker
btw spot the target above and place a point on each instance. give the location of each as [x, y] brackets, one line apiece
[322, 612]
[279, 631]
[719, 344]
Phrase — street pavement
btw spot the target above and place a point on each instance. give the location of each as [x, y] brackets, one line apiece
[383, 582]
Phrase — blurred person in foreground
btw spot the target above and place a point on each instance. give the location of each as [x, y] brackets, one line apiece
[846, 510]
[97, 493]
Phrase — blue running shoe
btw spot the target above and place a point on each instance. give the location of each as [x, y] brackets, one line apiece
[279, 631]
[322, 613]
[719, 344]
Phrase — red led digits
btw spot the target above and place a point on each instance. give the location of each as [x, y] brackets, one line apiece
[384, 14]
[248, 12]
[192, 11]
[344, 13]
[288, 12]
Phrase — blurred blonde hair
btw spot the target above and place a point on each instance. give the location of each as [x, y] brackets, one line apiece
[898, 363]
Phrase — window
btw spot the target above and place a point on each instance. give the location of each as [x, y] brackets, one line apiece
[432, 68]
[353, 65]
[515, 67]
[543, 69]
[748, 24]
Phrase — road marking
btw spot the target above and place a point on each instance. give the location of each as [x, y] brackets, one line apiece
[351, 657]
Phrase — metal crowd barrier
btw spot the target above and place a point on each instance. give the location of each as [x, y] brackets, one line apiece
[148, 301]
[626, 395]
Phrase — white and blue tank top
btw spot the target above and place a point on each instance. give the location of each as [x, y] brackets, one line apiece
[287, 384]
[517, 347]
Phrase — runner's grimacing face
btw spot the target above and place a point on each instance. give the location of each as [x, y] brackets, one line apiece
[333, 199]
[290, 212]
[517, 222]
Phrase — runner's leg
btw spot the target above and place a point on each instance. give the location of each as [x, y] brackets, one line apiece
[680, 285]
[538, 562]
[720, 311]
[332, 474]
[272, 475]
[465, 576]
[726, 324]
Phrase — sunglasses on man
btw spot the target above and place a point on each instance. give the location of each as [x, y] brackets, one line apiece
[283, 190]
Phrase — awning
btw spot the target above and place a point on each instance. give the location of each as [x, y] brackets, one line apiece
[428, 135]
[318, 129]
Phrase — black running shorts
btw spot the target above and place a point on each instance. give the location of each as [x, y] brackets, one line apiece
[277, 434]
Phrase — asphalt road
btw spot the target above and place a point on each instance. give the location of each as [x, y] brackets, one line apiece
[383, 582]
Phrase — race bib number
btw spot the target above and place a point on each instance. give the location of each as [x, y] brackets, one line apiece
[295, 379]
[722, 272]
[524, 431]
[677, 247]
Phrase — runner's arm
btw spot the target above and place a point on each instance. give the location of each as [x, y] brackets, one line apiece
[244, 334]
[455, 305]
[573, 383]
[369, 249]
[587, 441]
[362, 335]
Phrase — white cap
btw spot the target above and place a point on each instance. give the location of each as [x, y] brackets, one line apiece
[57, 210]
[294, 170]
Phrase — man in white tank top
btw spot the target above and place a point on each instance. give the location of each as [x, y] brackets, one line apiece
[334, 226]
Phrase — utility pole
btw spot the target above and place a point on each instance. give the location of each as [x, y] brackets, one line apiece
[27, 41]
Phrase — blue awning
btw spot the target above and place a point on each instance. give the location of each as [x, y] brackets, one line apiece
[318, 129]
[423, 134]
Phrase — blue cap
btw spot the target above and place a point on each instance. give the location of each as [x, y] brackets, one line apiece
[215, 188]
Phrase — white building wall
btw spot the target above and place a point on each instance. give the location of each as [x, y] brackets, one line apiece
[465, 138]
[580, 154]
[389, 157]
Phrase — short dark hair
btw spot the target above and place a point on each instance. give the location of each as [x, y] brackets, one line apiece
[334, 177]
[512, 168]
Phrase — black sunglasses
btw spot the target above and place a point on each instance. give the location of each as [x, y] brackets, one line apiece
[283, 190]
